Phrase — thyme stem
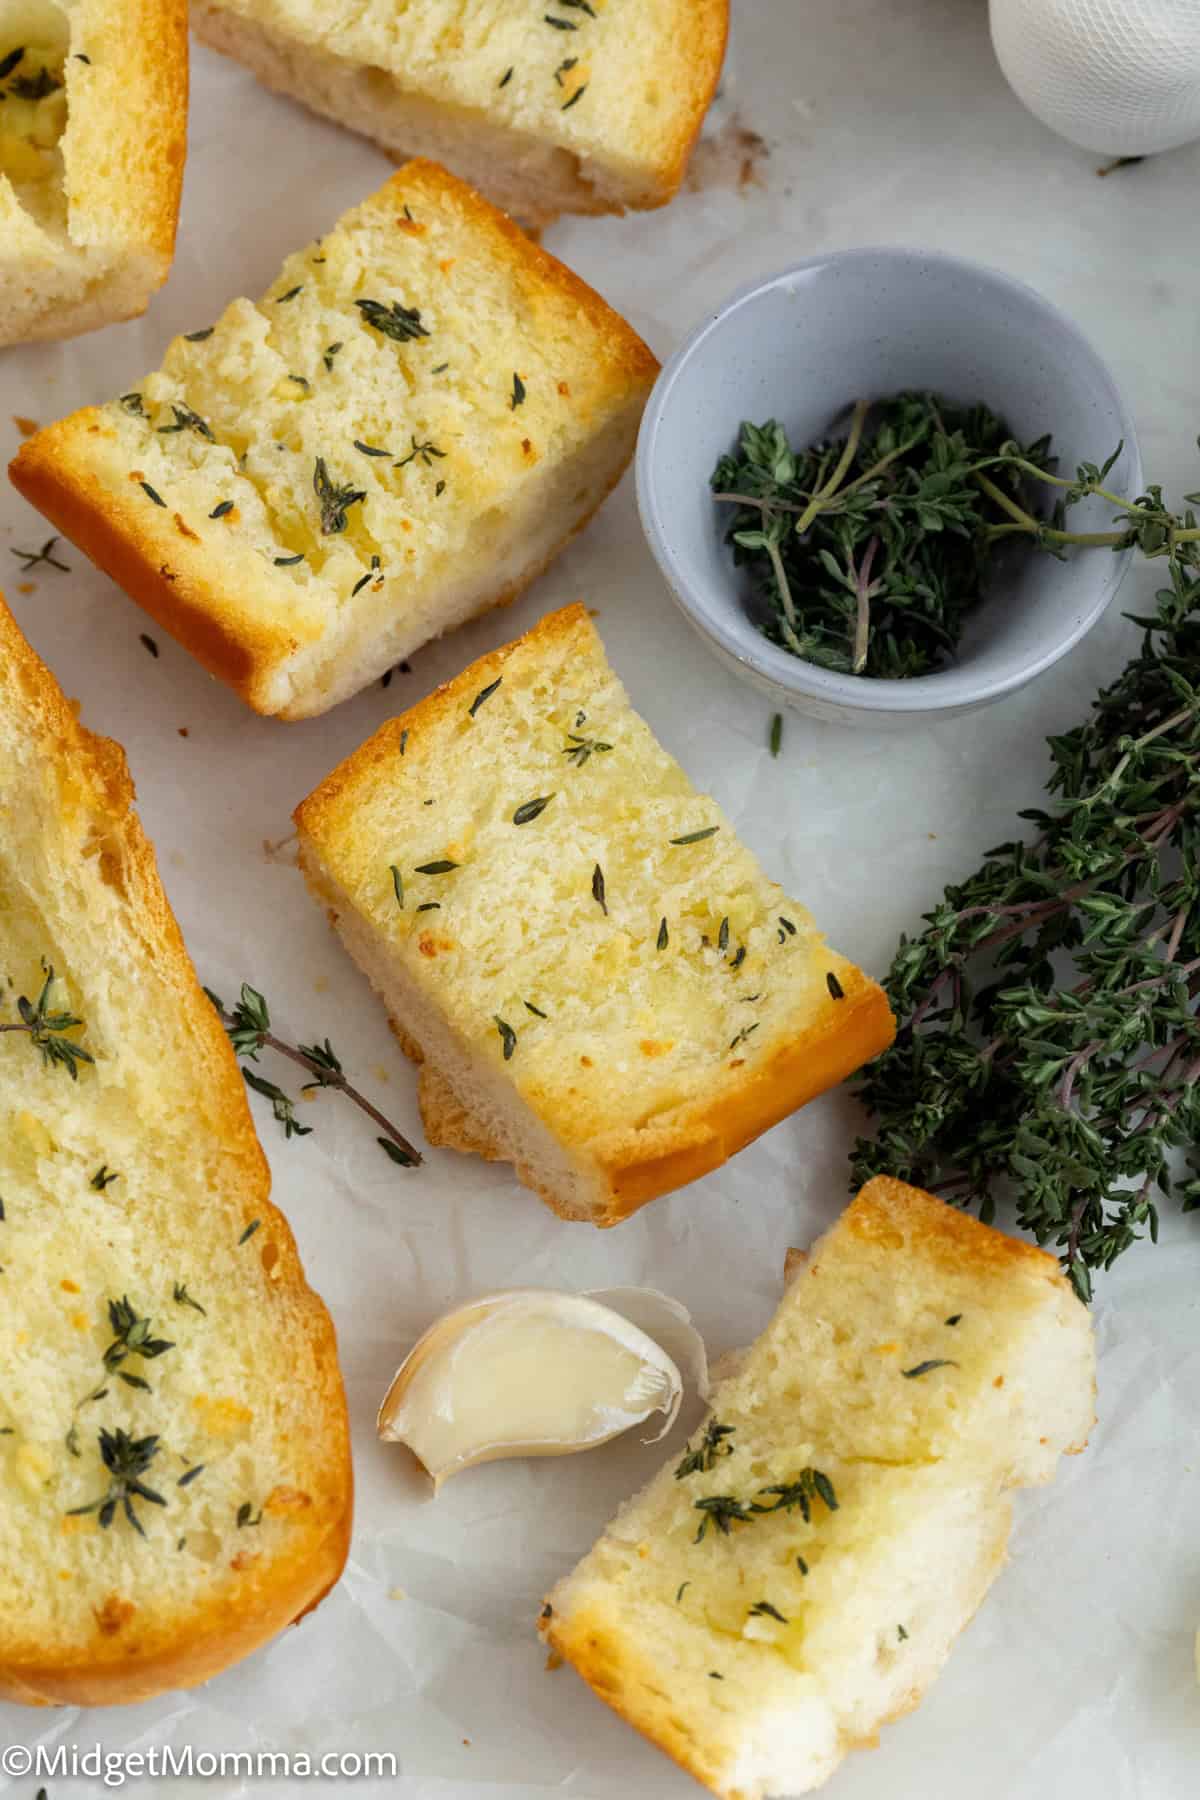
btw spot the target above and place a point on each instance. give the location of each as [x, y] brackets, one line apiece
[785, 592]
[830, 488]
[864, 590]
[764, 506]
[249, 1031]
[342, 1086]
[1025, 520]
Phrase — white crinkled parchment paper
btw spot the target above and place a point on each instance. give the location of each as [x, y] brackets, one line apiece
[884, 123]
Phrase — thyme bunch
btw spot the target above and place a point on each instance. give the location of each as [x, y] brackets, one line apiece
[1049, 1044]
[868, 553]
[248, 1027]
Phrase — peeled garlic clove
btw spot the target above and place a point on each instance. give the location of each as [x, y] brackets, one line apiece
[530, 1372]
[669, 1323]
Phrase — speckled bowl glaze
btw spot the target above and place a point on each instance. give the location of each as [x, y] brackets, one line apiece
[800, 347]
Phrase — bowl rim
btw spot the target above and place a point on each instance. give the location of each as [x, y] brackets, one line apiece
[949, 690]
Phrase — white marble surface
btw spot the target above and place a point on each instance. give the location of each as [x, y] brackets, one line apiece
[884, 121]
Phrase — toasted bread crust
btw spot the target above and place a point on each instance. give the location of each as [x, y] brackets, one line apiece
[137, 97]
[631, 1687]
[624, 352]
[168, 576]
[846, 1034]
[953, 1238]
[708, 37]
[252, 1605]
[188, 575]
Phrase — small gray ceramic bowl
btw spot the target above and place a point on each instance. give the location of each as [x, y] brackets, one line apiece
[868, 323]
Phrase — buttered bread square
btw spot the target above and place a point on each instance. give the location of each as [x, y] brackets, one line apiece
[402, 433]
[797, 1578]
[600, 983]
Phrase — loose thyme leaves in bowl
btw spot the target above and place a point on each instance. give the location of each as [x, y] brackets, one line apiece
[869, 551]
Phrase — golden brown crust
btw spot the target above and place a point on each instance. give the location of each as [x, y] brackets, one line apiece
[706, 36]
[634, 1689]
[248, 1614]
[888, 1211]
[623, 350]
[124, 150]
[793, 1261]
[448, 1125]
[137, 104]
[254, 1604]
[844, 1035]
[168, 576]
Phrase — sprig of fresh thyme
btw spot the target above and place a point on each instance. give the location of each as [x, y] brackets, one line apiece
[31, 559]
[47, 1028]
[711, 1447]
[725, 1510]
[132, 1336]
[333, 499]
[1049, 1044]
[248, 1026]
[126, 1460]
[397, 321]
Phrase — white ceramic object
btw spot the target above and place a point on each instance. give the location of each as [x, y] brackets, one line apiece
[1120, 77]
[867, 323]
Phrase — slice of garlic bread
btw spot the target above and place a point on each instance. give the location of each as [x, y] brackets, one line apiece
[93, 131]
[587, 106]
[798, 1577]
[401, 434]
[602, 985]
[175, 1480]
